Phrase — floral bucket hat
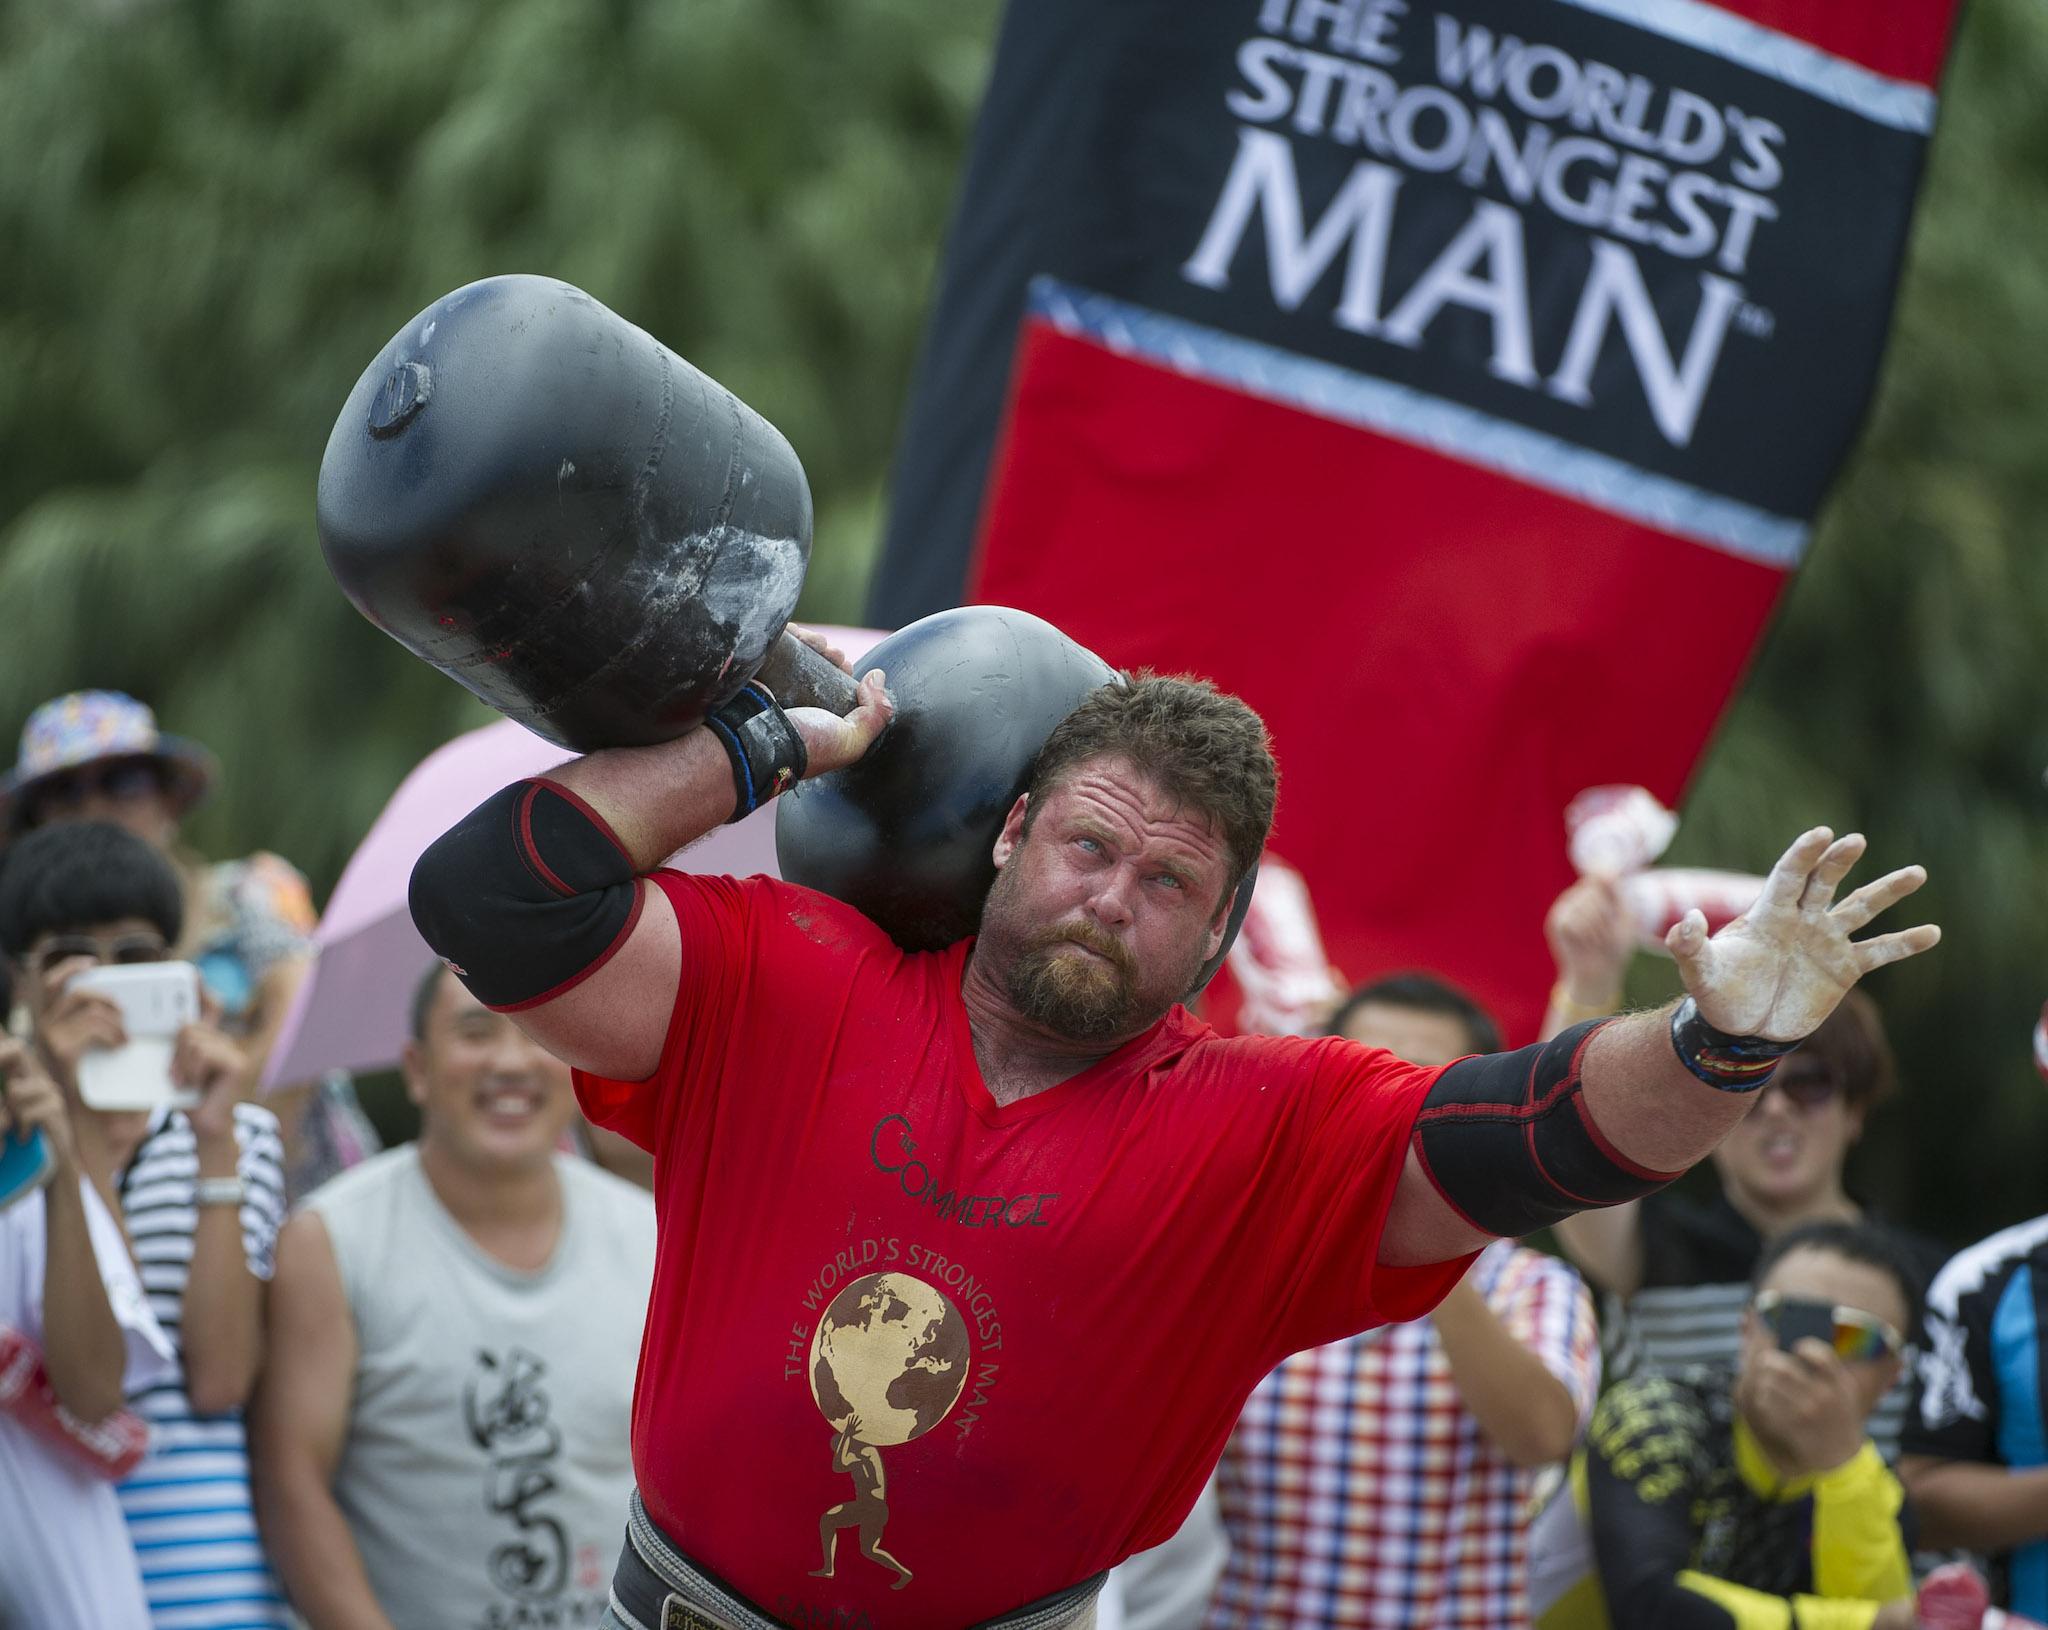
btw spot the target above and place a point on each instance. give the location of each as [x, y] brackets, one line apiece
[99, 728]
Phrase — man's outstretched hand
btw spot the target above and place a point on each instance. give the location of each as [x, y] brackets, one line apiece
[1780, 968]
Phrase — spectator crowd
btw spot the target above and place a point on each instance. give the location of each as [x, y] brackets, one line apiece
[257, 1370]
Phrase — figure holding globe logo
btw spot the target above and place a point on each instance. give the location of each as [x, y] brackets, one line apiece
[888, 1362]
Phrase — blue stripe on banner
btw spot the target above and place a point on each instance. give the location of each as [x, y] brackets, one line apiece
[1877, 97]
[2022, 1441]
[1420, 420]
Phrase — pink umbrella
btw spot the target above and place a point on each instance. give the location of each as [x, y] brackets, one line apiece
[351, 1011]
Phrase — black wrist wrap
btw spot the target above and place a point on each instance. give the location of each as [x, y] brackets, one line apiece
[526, 896]
[768, 756]
[1726, 1063]
[1508, 1143]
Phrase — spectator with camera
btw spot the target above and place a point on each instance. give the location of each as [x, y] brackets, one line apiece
[196, 1175]
[1751, 1497]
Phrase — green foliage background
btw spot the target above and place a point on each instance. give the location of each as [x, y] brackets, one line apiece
[215, 212]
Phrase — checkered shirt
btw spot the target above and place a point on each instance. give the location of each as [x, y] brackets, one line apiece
[1358, 1492]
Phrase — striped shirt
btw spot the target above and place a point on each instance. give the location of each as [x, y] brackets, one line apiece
[1359, 1491]
[187, 1505]
[1697, 1263]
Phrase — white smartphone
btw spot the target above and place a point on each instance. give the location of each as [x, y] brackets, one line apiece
[157, 1000]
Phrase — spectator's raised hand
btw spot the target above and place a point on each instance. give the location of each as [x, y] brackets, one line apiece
[205, 1061]
[73, 1022]
[1780, 968]
[1803, 1406]
[1592, 936]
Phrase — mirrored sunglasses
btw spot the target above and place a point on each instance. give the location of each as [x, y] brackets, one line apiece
[123, 949]
[1856, 1336]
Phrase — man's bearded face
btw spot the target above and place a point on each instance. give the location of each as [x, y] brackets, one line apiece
[1104, 911]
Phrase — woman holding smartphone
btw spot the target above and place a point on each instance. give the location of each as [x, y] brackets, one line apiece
[247, 924]
[1751, 1495]
[199, 1190]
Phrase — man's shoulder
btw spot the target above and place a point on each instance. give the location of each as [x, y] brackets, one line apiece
[807, 910]
[1193, 1042]
[608, 1196]
[362, 1187]
[1981, 1270]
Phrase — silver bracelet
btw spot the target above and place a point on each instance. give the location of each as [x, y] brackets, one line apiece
[220, 1191]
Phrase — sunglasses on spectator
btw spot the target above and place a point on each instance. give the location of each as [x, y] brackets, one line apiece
[122, 949]
[1805, 1088]
[1857, 1337]
[122, 781]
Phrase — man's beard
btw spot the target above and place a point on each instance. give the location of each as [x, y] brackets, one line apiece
[1073, 996]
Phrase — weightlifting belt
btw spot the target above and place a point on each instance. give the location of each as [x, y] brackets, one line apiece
[656, 1587]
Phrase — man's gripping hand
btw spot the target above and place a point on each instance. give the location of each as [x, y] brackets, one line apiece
[1781, 967]
[831, 742]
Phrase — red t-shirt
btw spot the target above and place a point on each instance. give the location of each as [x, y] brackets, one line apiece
[997, 1347]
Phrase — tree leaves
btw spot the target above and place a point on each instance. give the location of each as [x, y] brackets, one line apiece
[224, 209]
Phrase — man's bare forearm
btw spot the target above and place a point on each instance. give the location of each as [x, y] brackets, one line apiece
[1970, 1506]
[655, 799]
[314, 1550]
[1524, 1410]
[1653, 1109]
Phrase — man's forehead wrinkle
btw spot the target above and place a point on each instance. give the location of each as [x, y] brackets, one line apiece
[1102, 793]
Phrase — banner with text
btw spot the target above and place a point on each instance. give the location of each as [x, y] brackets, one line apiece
[1458, 383]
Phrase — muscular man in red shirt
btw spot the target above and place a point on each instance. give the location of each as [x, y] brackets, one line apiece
[1003, 1225]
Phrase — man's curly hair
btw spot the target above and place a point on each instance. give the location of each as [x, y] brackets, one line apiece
[1207, 751]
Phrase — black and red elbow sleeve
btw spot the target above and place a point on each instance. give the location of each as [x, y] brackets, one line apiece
[1508, 1141]
[526, 896]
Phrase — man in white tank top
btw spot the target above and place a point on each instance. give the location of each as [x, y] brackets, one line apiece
[441, 1435]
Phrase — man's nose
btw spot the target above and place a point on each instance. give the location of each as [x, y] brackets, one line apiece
[1111, 902]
